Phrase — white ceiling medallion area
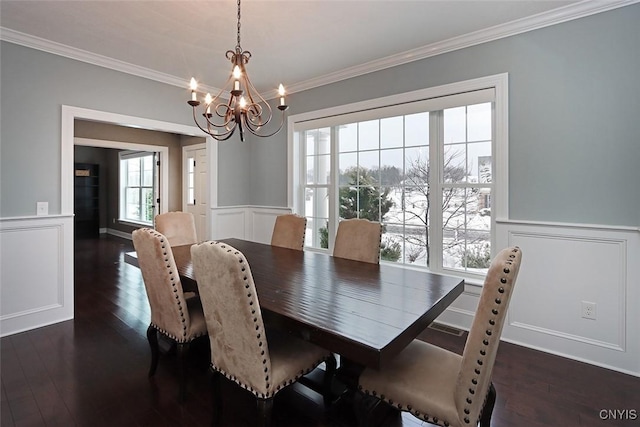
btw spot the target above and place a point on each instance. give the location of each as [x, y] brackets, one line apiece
[541, 20]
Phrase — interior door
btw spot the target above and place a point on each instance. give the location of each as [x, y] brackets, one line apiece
[195, 185]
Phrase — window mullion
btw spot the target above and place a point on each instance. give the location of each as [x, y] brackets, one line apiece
[333, 190]
[302, 173]
[436, 164]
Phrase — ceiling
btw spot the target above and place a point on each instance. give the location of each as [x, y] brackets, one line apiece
[302, 43]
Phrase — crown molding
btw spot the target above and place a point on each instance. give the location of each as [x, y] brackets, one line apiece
[541, 20]
[60, 49]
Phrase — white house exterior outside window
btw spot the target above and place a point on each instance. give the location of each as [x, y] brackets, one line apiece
[429, 165]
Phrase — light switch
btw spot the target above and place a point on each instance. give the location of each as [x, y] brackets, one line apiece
[42, 208]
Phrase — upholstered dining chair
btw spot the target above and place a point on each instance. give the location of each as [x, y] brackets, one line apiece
[444, 388]
[178, 318]
[359, 240]
[262, 361]
[178, 227]
[288, 231]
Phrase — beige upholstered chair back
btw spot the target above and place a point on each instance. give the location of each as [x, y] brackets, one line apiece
[236, 331]
[178, 227]
[288, 231]
[359, 240]
[481, 347]
[169, 312]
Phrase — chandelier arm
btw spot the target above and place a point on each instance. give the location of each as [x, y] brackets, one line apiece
[256, 130]
[223, 136]
[218, 136]
[226, 114]
[251, 90]
[215, 100]
[255, 112]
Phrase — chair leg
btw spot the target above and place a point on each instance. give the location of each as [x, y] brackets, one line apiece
[487, 409]
[152, 337]
[265, 407]
[329, 374]
[363, 408]
[183, 349]
[216, 396]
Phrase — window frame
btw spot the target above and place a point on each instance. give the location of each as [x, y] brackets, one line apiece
[396, 105]
[123, 181]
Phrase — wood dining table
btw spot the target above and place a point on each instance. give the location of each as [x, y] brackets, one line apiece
[366, 313]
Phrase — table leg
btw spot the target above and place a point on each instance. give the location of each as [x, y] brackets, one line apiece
[368, 411]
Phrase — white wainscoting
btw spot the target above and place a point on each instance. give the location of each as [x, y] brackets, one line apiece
[253, 223]
[564, 265]
[36, 276]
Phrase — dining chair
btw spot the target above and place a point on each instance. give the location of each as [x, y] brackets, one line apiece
[288, 231]
[444, 388]
[262, 361]
[359, 240]
[178, 318]
[178, 227]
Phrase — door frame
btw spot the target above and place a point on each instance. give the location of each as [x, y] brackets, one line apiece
[70, 114]
[121, 145]
[185, 149]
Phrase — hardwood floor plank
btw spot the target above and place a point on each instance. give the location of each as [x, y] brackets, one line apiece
[92, 371]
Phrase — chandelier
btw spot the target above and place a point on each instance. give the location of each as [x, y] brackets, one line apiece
[245, 108]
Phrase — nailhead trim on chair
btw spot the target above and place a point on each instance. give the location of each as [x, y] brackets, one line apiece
[303, 234]
[271, 391]
[408, 408]
[477, 370]
[184, 337]
[485, 342]
[380, 243]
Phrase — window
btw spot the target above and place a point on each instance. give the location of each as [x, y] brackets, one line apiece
[420, 163]
[191, 179]
[138, 187]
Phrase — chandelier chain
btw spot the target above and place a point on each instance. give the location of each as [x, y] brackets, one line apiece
[238, 48]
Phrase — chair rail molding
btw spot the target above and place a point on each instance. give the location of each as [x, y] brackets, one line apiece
[34, 297]
[246, 222]
[564, 266]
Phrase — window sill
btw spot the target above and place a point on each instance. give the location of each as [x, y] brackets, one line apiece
[134, 223]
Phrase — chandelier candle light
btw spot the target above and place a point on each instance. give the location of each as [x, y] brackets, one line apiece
[244, 108]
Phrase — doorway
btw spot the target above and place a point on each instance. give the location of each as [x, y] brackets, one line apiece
[195, 176]
[69, 115]
[112, 213]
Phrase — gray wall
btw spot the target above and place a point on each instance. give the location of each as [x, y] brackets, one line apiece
[573, 131]
[36, 84]
[574, 134]
[109, 132]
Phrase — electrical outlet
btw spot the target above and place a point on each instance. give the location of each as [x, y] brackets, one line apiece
[42, 208]
[589, 310]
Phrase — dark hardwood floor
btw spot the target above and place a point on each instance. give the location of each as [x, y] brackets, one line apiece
[92, 371]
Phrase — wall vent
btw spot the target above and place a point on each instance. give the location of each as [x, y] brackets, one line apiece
[446, 329]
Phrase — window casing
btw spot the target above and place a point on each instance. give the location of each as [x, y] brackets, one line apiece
[190, 166]
[138, 187]
[428, 164]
